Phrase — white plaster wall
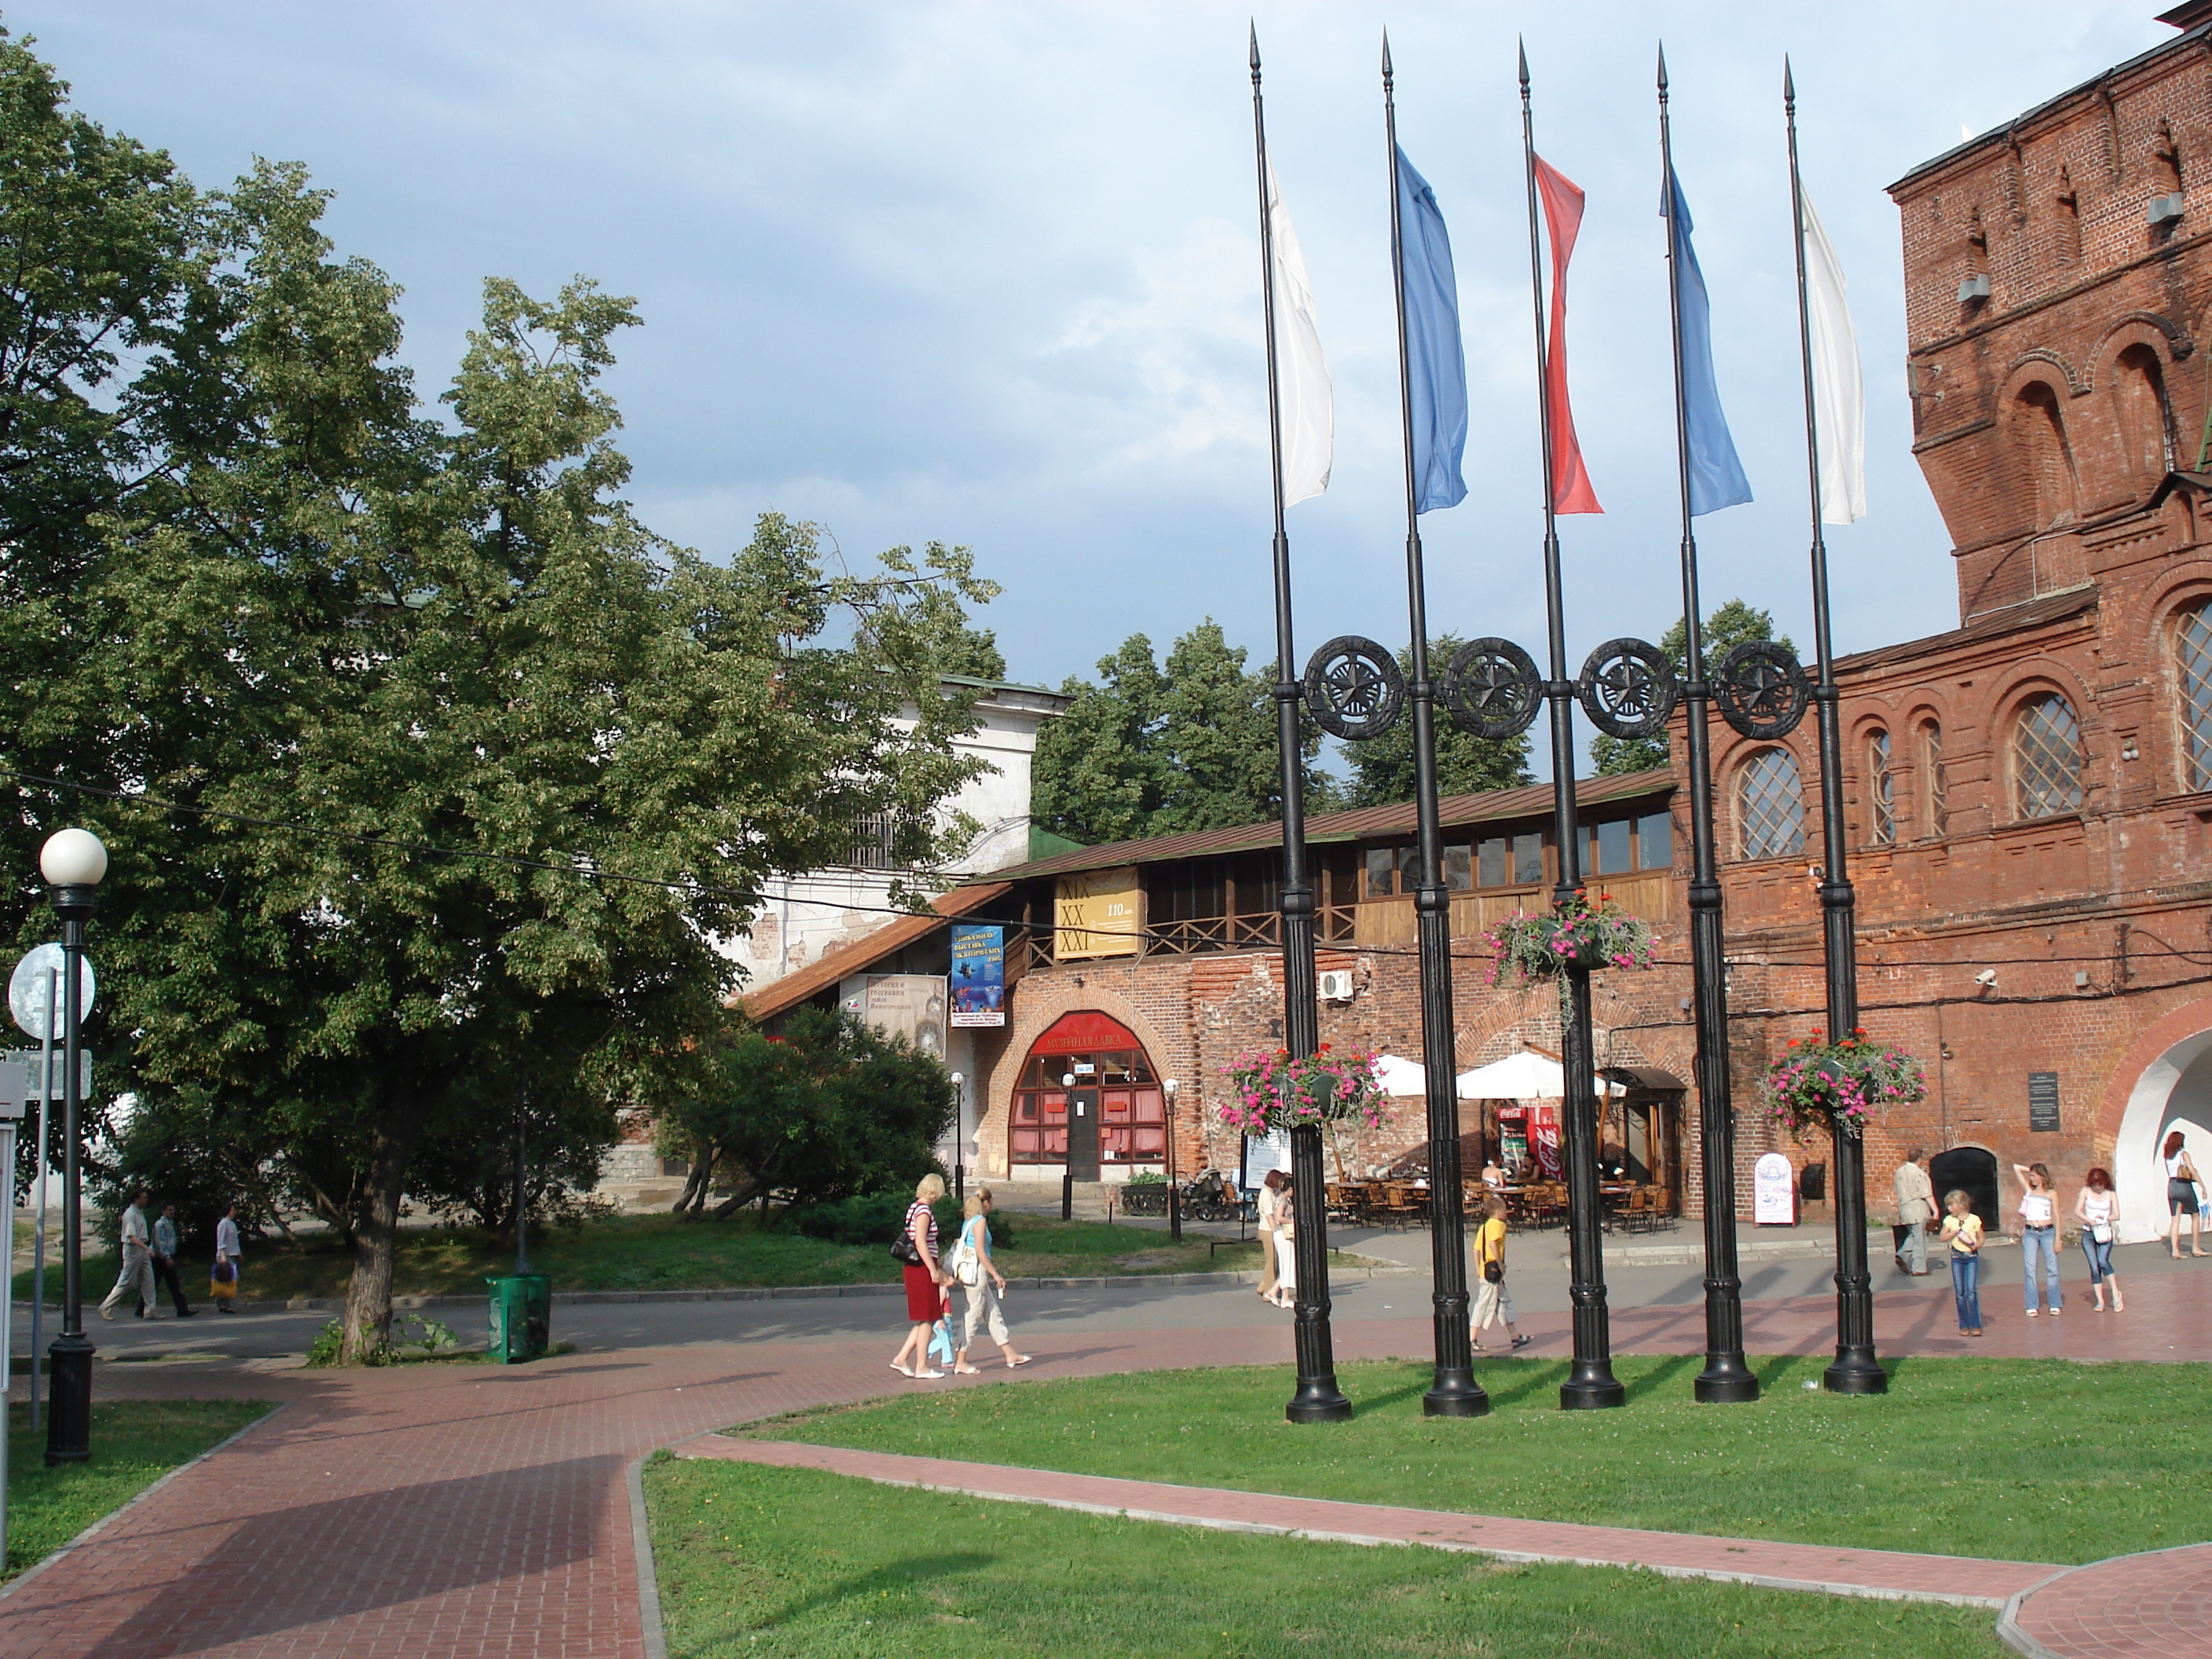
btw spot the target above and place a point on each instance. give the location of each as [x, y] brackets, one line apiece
[807, 915]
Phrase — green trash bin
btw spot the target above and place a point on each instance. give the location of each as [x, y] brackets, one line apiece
[521, 1316]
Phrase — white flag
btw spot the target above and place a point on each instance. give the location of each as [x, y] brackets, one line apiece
[1839, 394]
[1309, 409]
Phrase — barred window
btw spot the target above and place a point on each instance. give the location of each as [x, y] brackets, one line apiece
[2046, 758]
[1770, 806]
[2192, 662]
[1936, 786]
[1882, 789]
[875, 842]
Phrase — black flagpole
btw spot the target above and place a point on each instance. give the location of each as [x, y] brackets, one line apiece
[1725, 1379]
[1590, 1384]
[1855, 1369]
[1318, 1400]
[1455, 1392]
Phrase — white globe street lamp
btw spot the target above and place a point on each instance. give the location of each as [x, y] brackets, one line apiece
[72, 861]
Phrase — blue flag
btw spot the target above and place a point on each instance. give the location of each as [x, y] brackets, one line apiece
[1435, 367]
[1717, 477]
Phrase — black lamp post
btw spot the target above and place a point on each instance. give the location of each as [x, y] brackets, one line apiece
[1174, 1193]
[1317, 1399]
[1727, 1377]
[960, 1144]
[73, 862]
[1855, 1370]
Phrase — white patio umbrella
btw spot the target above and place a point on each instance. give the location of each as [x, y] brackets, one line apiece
[1401, 1077]
[1524, 1076]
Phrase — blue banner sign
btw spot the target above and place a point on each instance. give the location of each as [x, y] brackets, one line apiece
[979, 974]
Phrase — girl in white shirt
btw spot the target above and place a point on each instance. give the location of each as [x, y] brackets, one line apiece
[2039, 1234]
[2098, 1210]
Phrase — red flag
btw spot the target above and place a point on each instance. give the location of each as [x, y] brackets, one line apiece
[1572, 491]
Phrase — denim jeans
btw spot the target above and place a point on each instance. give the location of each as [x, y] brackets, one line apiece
[2043, 1242]
[2100, 1257]
[1967, 1289]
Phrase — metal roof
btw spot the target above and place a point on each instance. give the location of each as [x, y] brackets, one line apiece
[1983, 625]
[857, 955]
[1495, 806]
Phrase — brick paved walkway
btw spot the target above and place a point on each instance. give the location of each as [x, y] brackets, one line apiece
[1885, 1574]
[2154, 1605]
[474, 1510]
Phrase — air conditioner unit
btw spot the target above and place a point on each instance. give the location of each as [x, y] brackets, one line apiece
[2165, 209]
[1336, 986]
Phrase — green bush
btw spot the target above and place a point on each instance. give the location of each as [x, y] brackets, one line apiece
[1147, 1178]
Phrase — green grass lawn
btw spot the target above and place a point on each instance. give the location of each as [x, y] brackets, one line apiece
[760, 1561]
[663, 1253]
[2027, 1460]
[134, 1444]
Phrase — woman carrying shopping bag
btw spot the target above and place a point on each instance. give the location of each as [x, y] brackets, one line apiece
[223, 1282]
[980, 1276]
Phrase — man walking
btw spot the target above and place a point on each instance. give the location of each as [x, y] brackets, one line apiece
[165, 1260]
[138, 1275]
[1916, 1209]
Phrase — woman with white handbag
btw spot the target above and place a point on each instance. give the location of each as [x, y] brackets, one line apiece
[972, 1266]
[2098, 1210]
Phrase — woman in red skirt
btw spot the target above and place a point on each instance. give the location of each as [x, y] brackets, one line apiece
[926, 1295]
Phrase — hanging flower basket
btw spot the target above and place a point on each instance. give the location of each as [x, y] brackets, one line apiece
[1586, 931]
[1269, 1090]
[1835, 1085]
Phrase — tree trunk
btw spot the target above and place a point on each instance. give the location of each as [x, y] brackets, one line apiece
[696, 1183]
[369, 1291]
[745, 1193]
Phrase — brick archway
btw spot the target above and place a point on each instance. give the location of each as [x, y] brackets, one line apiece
[2134, 1111]
[1037, 1001]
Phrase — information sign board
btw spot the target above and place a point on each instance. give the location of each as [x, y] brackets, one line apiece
[1773, 1192]
[2043, 1103]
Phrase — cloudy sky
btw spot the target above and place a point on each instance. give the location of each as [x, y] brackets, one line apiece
[988, 273]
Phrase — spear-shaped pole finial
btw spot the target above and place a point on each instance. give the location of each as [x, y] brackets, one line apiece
[1255, 46]
[1522, 45]
[1662, 71]
[1789, 84]
[1386, 58]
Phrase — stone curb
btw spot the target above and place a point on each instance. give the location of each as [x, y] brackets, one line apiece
[799, 1293]
[652, 1630]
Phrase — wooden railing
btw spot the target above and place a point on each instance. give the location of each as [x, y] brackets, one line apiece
[1390, 921]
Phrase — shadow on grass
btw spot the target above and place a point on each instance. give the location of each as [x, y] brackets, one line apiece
[1524, 1379]
[917, 1570]
[1661, 1376]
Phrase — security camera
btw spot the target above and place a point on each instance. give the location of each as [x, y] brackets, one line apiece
[1986, 979]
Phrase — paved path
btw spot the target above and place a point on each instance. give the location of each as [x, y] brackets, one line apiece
[2153, 1606]
[472, 1511]
[1886, 1574]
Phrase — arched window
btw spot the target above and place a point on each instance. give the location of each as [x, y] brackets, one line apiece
[2192, 669]
[1770, 806]
[1882, 789]
[1936, 783]
[2046, 758]
[2046, 460]
[2146, 416]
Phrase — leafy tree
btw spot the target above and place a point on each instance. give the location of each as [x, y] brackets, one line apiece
[1096, 775]
[1730, 625]
[828, 1108]
[1148, 750]
[1221, 763]
[1382, 768]
[425, 768]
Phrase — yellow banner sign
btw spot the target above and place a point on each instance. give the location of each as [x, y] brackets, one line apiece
[1098, 914]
